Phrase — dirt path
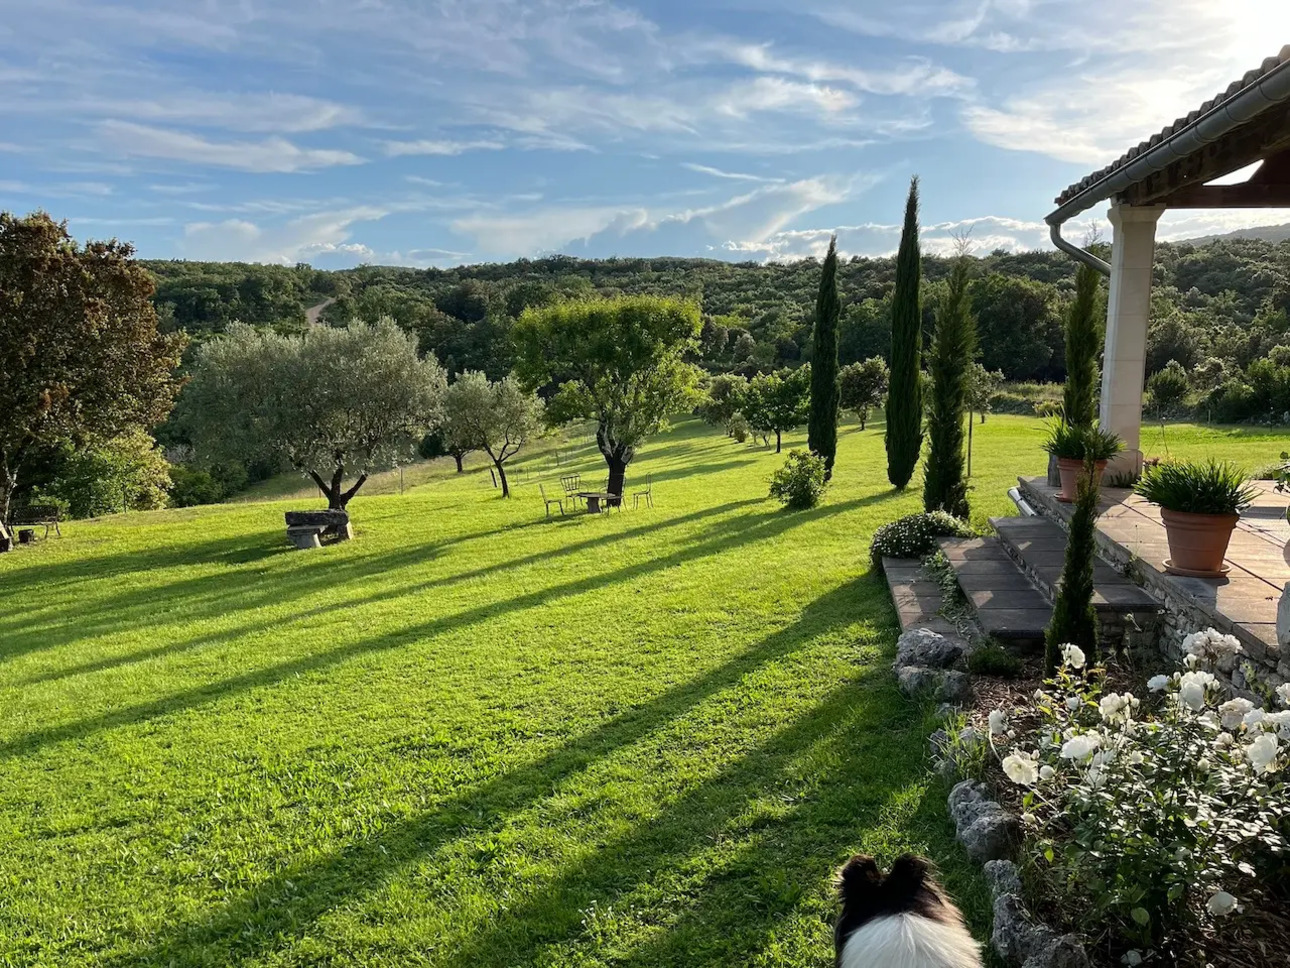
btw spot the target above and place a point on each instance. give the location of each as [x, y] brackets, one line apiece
[313, 313]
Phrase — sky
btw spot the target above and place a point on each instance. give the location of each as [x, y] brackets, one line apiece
[442, 132]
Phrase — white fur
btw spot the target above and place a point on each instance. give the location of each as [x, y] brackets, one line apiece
[910, 941]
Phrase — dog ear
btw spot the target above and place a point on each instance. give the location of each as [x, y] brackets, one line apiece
[859, 876]
[907, 876]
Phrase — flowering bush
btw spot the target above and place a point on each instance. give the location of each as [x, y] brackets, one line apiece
[915, 535]
[1144, 815]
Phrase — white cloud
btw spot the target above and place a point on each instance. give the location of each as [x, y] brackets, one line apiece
[731, 175]
[259, 112]
[295, 241]
[912, 76]
[432, 147]
[270, 155]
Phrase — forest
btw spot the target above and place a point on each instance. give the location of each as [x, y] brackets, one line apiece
[1218, 307]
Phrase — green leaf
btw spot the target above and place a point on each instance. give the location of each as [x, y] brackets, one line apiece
[1141, 916]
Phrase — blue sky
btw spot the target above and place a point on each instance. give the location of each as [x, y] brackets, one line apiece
[434, 133]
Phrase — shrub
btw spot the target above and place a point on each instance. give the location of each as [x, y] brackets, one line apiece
[738, 427]
[915, 535]
[800, 483]
[1005, 401]
[1234, 401]
[1169, 388]
[1197, 487]
[190, 487]
[1081, 443]
[1147, 817]
[994, 660]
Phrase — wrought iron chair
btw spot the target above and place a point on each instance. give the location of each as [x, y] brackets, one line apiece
[572, 484]
[548, 501]
[647, 494]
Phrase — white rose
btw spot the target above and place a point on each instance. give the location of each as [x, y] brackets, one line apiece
[1221, 903]
[1095, 778]
[1073, 703]
[1191, 689]
[998, 722]
[1073, 656]
[1233, 711]
[1224, 740]
[1080, 747]
[1020, 769]
[1046, 772]
[1136, 758]
[1157, 683]
[1280, 721]
[1253, 718]
[1261, 752]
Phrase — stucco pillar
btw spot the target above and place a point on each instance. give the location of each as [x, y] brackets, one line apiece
[1127, 313]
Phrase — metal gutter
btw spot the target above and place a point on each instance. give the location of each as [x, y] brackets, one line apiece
[1271, 89]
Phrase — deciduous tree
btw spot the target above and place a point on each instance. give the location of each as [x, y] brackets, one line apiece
[331, 402]
[80, 355]
[822, 428]
[497, 418]
[778, 402]
[619, 361]
[863, 386]
[904, 437]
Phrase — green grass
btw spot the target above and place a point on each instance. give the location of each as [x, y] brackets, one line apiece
[473, 737]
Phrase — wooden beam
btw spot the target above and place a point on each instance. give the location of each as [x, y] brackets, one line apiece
[1230, 196]
[1266, 135]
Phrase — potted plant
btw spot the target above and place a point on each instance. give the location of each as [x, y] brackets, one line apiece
[1071, 445]
[1200, 503]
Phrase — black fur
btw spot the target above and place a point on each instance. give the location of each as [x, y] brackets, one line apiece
[866, 895]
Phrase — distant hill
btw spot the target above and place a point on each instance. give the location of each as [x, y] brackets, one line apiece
[1264, 233]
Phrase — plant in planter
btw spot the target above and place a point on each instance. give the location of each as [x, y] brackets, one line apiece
[1200, 503]
[1072, 446]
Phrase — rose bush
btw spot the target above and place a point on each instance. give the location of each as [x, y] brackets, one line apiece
[1148, 816]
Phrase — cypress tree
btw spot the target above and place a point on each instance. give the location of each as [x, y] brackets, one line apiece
[1074, 620]
[822, 427]
[1083, 338]
[953, 348]
[904, 437]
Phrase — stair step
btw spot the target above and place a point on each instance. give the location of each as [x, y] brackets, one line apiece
[1007, 605]
[1039, 546]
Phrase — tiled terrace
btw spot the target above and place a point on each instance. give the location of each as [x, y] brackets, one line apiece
[1244, 602]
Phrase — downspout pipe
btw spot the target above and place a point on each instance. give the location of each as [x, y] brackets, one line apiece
[1271, 89]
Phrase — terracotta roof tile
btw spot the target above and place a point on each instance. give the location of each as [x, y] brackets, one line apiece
[1251, 77]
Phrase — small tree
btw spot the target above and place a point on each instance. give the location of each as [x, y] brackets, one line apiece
[80, 355]
[724, 394]
[497, 418]
[619, 361]
[330, 402]
[904, 438]
[777, 402]
[1083, 340]
[1074, 619]
[1169, 389]
[863, 386]
[954, 345]
[126, 473]
[983, 384]
[822, 428]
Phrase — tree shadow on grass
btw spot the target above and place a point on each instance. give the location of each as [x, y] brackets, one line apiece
[287, 905]
[723, 536]
[248, 590]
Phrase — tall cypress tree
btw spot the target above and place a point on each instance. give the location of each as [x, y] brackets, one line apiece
[1074, 619]
[953, 348]
[822, 428]
[904, 436]
[1083, 336]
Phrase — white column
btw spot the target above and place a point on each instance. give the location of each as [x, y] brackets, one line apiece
[1127, 313]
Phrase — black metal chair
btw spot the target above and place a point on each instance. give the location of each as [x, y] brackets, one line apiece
[647, 494]
[572, 484]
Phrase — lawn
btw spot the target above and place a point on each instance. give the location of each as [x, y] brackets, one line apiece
[473, 736]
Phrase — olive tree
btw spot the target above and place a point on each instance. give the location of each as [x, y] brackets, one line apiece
[618, 361]
[81, 359]
[330, 402]
[863, 386]
[497, 418]
[776, 402]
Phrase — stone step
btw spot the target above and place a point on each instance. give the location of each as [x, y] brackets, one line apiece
[1007, 605]
[1038, 545]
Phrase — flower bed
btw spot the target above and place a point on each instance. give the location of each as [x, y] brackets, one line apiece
[1154, 814]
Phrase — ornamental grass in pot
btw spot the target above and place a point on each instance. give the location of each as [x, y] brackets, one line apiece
[1071, 445]
[1200, 503]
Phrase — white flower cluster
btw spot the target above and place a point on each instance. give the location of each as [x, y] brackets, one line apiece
[1095, 770]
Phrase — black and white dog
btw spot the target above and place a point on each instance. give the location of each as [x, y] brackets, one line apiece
[903, 920]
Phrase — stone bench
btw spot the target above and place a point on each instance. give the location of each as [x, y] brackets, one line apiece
[308, 529]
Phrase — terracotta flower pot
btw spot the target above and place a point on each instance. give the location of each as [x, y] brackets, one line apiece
[1197, 542]
[1069, 468]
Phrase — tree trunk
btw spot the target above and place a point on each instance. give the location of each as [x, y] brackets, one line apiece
[864, 418]
[337, 499]
[501, 472]
[617, 475]
[457, 458]
[779, 442]
[617, 456]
